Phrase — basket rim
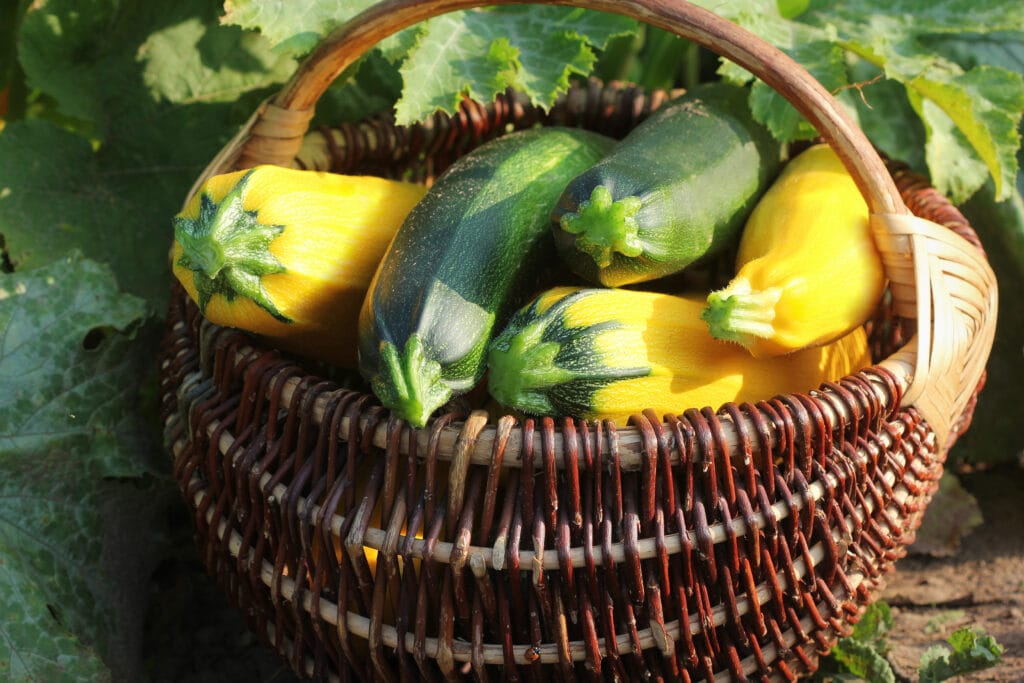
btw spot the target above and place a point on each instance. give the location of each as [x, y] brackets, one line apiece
[737, 429]
[794, 502]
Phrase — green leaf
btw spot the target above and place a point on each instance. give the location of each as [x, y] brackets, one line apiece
[763, 18]
[983, 104]
[70, 371]
[863, 660]
[998, 48]
[480, 53]
[69, 199]
[861, 655]
[75, 555]
[977, 110]
[374, 87]
[34, 645]
[873, 626]
[59, 48]
[902, 17]
[296, 27]
[970, 650]
[73, 363]
[45, 199]
[193, 61]
[825, 61]
[1000, 226]
[292, 26]
[457, 54]
[101, 61]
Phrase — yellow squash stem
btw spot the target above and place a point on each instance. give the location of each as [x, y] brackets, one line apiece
[740, 314]
[807, 269]
[289, 254]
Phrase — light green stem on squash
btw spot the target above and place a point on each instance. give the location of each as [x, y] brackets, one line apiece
[741, 314]
[228, 250]
[408, 382]
[523, 369]
[604, 226]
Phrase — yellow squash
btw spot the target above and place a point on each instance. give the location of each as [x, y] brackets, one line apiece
[289, 254]
[807, 270]
[609, 353]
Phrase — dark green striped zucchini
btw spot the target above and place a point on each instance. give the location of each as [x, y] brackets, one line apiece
[607, 353]
[677, 188]
[465, 256]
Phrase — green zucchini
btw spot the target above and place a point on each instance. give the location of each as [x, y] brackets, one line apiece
[460, 263]
[676, 189]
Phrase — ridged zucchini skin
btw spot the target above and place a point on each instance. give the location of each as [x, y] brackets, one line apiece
[677, 188]
[597, 353]
[463, 259]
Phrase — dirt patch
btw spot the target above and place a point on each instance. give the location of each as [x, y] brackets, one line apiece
[982, 584]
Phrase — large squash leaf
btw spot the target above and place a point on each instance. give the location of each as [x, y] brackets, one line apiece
[74, 449]
[477, 53]
[969, 107]
[70, 371]
[141, 97]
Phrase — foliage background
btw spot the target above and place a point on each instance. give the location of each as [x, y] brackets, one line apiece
[111, 108]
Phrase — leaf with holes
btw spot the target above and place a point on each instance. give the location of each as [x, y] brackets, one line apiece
[34, 645]
[71, 430]
[69, 369]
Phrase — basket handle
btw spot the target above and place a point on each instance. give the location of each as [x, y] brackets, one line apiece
[347, 44]
[936, 276]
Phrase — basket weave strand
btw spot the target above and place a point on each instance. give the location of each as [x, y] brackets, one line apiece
[711, 545]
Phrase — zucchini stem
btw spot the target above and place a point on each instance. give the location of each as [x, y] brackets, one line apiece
[522, 369]
[408, 382]
[741, 314]
[227, 249]
[603, 226]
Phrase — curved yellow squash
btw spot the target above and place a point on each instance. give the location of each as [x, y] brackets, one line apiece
[609, 353]
[289, 254]
[807, 270]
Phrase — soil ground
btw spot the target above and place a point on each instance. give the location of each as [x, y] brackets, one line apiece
[981, 584]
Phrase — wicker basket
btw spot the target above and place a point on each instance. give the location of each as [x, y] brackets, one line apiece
[719, 545]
